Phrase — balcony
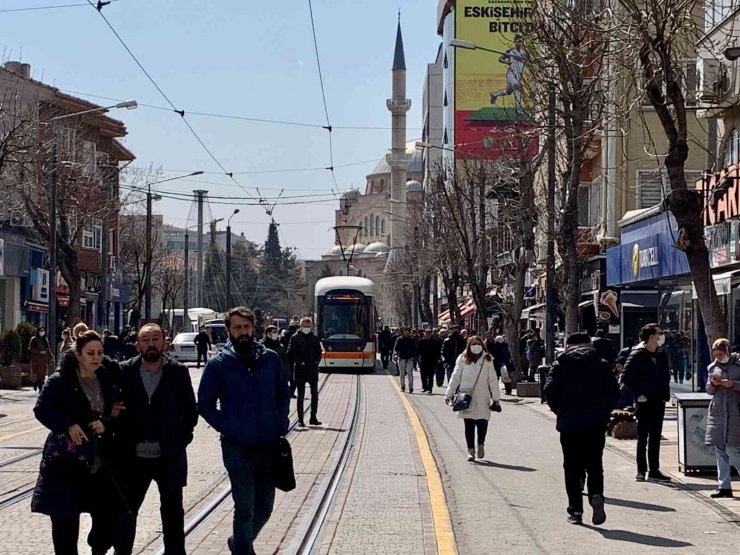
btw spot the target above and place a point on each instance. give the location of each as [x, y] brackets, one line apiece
[397, 160]
[398, 104]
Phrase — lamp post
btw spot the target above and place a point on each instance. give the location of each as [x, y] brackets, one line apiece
[228, 259]
[52, 327]
[186, 294]
[148, 268]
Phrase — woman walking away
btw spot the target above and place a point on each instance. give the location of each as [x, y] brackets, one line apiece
[474, 374]
[723, 420]
[77, 405]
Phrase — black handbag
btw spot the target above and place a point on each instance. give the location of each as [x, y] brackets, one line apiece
[284, 475]
[61, 447]
[462, 400]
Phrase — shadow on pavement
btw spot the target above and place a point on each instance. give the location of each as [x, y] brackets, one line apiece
[634, 537]
[639, 505]
[506, 466]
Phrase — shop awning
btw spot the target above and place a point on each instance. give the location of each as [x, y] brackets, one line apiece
[586, 304]
[37, 307]
[467, 309]
[722, 283]
[530, 311]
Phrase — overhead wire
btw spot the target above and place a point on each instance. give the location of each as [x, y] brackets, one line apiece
[54, 7]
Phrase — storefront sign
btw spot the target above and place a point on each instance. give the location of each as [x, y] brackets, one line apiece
[40, 285]
[727, 206]
[91, 283]
[717, 238]
[592, 276]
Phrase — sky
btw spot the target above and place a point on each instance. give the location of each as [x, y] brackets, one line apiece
[245, 59]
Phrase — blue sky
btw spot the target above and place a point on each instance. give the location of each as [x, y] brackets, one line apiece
[243, 58]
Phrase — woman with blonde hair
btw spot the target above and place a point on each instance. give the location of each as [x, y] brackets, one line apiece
[474, 377]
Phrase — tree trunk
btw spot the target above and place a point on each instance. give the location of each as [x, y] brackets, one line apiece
[513, 319]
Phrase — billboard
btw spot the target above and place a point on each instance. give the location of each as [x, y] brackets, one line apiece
[489, 107]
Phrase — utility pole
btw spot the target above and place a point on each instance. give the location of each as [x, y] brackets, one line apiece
[53, 249]
[186, 292]
[148, 271]
[229, 305]
[550, 260]
[200, 194]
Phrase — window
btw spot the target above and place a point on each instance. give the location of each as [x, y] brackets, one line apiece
[66, 142]
[377, 225]
[732, 149]
[653, 186]
[92, 236]
[365, 229]
[715, 11]
[688, 78]
[382, 226]
[382, 185]
[584, 205]
[372, 226]
[87, 158]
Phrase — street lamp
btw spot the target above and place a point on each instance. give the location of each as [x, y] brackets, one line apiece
[228, 259]
[130, 105]
[148, 268]
[186, 293]
[466, 45]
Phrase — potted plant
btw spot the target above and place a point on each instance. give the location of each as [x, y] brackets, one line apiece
[26, 331]
[10, 372]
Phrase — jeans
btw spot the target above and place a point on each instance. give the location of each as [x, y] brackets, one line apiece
[202, 353]
[384, 358]
[583, 451]
[427, 376]
[470, 427]
[677, 374]
[406, 365]
[170, 502]
[311, 377]
[726, 459]
[650, 416]
[253, 490]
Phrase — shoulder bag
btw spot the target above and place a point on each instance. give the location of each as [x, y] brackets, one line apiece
[462, 399]
[284, 474]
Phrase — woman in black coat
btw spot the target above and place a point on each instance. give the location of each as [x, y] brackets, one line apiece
[78, 471]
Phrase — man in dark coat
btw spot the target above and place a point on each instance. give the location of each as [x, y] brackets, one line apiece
[385, 345]
[581, 391]
[647, 375]
[604, 346]
[203, 344]
[160, 415]
[41, 354]
[452, 348]
[428, 350]
[111, 345]
[244, 395]
[304, 355]
[404, 353]
[285, 341]
[502, 357]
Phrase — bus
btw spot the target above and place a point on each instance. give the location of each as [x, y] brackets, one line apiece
[345, 322]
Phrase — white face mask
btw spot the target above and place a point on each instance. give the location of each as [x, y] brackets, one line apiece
[723, 360]
[661, 340]
[42, 333]
[476, 349]
[305, 330]
[273, 336]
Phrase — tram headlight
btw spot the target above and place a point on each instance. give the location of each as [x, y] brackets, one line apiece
[328, 348]
[359, 348]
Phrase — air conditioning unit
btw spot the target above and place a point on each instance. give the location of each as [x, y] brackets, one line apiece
[19, 219]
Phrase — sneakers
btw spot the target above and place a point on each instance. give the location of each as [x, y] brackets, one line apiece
[575, 518]
[721, 493]
[657, 476]
[471, 454]
[640, 477]
[481, 451]
[599, 516]
[314, 422]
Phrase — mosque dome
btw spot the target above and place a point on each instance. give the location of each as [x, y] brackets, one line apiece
[336, 250]
[351, 194]
[416, 157]
[357, 248]
[377, 247]
[413, 186]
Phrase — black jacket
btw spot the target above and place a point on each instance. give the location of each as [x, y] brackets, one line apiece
[581, 390]
[429, 351]
[452, 348]
[648, 374]
[405, 347]
[605, 348]
[170, 417]
[385, 341]
[275, 345]
[501, 354]
[202, 341]
[62, 403]
[304, 352]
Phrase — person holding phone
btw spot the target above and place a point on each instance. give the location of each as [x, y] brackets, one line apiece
[723, 419]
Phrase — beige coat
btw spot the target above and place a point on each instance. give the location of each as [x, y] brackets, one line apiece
[486, 388]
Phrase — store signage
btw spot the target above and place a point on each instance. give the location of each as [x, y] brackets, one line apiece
[717, 238]
[41, 285]
[727, 206]
[92, 283]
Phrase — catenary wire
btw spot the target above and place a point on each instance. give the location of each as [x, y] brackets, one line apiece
[55, 7]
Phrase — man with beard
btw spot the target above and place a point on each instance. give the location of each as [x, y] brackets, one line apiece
[158, 415]
[304, 355]
[244, 395]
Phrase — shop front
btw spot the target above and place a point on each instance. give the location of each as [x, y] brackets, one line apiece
[599, 306]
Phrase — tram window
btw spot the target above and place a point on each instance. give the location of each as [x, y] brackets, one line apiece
[344, 321]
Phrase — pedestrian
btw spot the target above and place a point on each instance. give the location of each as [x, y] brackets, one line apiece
[67, 343]
[271, 340]
[535, 353]
[647, 375]
[203, 345]
[523, 340]
[581, 390]
[244, 395]
[502, 361]
[78, 330]
[428, 350]
[723, 419]
[111, 345]
[604, 346]
[475, 375]
[304, 354]
[285, 341]
[440, 371]
[159, 416]
[385, 346]
[77, 473]
[452, 347]
[40, 353]
[404, 353]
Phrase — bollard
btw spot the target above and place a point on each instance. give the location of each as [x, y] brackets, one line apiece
[542, 372]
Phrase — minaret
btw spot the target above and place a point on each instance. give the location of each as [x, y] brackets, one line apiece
[398, 160]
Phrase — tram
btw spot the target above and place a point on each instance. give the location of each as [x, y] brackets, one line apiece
[345, 322]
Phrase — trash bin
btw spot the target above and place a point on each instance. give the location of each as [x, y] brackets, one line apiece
[542, 373]
[693, 454]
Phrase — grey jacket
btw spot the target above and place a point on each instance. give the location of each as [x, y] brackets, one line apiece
[723, 420]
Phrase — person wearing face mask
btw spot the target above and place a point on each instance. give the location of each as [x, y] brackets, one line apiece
[159, 415]
[271, 340]
[723, 419]
[304, 355]
[76, 472]
[647, 375]
[41, 354]
[244, 395]
[474, 374]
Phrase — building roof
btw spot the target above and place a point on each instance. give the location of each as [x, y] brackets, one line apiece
[415, 161]
[399, 60]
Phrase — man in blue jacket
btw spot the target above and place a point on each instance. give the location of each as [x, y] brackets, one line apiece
[252, 388]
